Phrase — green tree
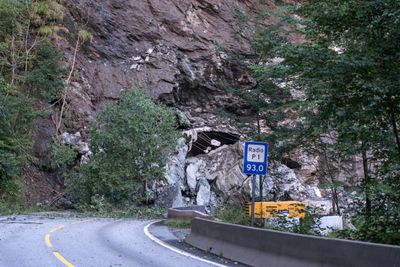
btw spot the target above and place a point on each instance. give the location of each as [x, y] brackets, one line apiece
[130, 141]
[44, 81]
[349, 68]
[16, 117]
[29, 71]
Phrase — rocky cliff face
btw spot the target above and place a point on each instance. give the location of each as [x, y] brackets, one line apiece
[169, 47]
[174, 49]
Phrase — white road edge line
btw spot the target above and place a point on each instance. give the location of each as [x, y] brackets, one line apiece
[176, 250]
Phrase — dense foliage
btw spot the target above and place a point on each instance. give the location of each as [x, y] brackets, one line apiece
[130, 141]
[348, 67]
[15, 119]
[29, 72]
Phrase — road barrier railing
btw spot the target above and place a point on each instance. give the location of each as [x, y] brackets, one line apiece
[186, 215]
[261, 247]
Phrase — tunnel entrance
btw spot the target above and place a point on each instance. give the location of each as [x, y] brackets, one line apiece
[208, 141]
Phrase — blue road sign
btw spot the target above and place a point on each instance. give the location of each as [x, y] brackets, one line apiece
[255, 158]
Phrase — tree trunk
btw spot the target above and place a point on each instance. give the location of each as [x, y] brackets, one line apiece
[335, 198]
[366, 180]
[13, 60]
[67, 82]
[394, 126]
[336, 201]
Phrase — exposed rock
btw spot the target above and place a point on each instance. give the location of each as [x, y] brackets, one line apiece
[230, 182]
[168, 45]
[170, 196]
[215, 202]
[217, 178]
[327, 224]
[204, 193]
[304, 165]
[74, 140]
[194, 172]
[175, 169]
[292, 164]
[71, 139]
[283, 182]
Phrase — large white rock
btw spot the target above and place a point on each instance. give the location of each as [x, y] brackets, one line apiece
[194, 172]
[231, 180]
[71, 139]
[330, 223]
[204, 193]
[175, 168]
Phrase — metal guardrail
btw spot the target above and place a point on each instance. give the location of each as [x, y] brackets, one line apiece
[186, 214]
[260, 247]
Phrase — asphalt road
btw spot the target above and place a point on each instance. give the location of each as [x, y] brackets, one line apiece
[30, 241]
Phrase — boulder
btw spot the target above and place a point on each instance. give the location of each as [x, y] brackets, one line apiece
[203, 193]
[328, 224]
[194, 172]
[71, 139]
[175, 167]
[170, 196]
[230, 181]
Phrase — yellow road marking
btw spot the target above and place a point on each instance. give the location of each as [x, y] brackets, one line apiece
[57, 254]
[57, 228]
[62, 259]
[47, 241]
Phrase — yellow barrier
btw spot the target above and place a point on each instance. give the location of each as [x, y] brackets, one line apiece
[263, 210]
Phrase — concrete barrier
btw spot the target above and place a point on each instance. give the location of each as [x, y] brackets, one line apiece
[186, 215]
[260, 247]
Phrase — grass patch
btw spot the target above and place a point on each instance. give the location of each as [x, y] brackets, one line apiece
[16, 208]
[179, 223]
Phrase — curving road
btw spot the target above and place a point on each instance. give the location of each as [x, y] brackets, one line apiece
[27, 241]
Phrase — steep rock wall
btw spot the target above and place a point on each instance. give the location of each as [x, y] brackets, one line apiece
[169, 47]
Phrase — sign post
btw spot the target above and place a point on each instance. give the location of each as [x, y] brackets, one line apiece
[255, 163]
[253, 195]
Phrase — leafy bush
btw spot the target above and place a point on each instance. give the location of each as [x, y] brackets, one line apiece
[62, 156]
[309, 225]
[130, 141]
[233, 214]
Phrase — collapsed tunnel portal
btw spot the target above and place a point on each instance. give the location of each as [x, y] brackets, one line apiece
[208, 141]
